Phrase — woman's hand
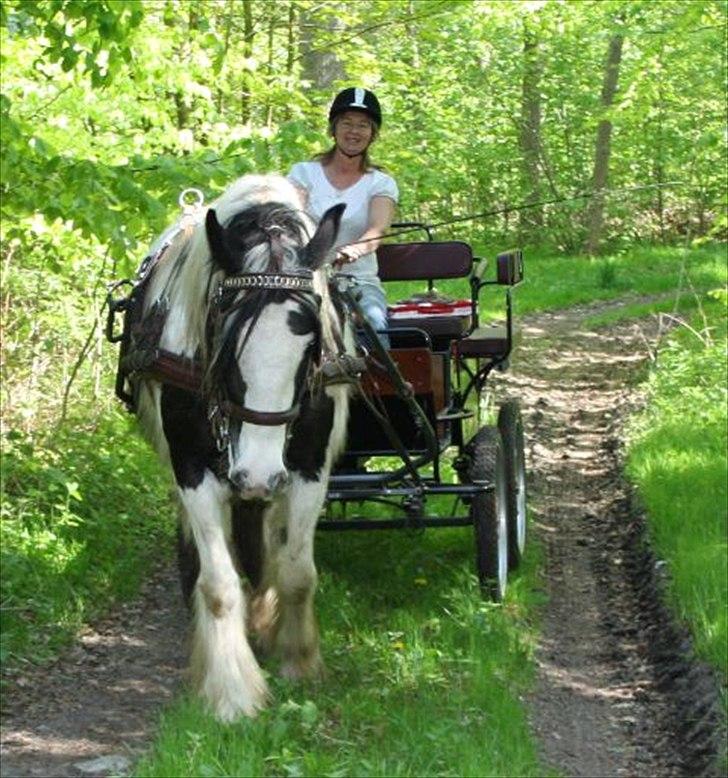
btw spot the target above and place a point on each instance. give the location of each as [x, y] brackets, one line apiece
[346, 256]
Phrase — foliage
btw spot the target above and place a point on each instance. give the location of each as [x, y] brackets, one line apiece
[672, 276]
[677, 459]
[83, 514]
[100, 132]
[242, 98]
[110, 107]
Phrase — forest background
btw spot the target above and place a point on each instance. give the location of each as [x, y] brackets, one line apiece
[109, 108]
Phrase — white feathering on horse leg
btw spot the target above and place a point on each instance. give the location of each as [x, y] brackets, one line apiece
[297, 638]
[223, 667]
[224, 670]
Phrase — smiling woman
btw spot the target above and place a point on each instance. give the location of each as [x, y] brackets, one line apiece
[344, 174]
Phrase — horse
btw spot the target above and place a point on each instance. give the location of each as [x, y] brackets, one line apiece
[246, 303]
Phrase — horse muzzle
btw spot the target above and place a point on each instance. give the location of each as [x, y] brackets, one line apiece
[253, 489]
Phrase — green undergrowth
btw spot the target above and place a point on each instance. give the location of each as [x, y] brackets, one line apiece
[677, 460]
[84, 514]
[555, 282]
[668, 307]
[424, 676]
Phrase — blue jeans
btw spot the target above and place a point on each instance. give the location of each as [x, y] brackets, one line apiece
[373, 303]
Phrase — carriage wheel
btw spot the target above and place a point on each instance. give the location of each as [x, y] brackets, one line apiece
[511, 430]
[488, 512]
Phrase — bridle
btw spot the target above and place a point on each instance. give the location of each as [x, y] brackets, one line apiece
[143, 356]
[221, 410]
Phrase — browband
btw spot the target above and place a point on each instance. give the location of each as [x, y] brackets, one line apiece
[269, 281]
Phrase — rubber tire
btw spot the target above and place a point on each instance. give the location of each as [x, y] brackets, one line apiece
[488, 512]
[510, 425]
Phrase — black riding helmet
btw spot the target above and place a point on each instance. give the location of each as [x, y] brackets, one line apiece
[355, 98]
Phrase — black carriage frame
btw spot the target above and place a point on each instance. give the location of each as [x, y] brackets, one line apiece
[460, 348]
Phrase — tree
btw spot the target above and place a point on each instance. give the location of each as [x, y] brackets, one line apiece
[531, 220]
[602, 151]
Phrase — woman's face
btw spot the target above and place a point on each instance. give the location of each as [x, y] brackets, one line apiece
[353, 132]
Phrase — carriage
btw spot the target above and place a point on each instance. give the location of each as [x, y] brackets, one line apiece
[413, 435]
[239, 359]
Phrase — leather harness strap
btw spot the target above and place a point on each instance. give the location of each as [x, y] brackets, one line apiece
[187, 374]
[301, 283]
[262, 418]
[169, 368]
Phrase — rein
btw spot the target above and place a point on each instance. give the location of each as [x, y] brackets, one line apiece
[405, 230]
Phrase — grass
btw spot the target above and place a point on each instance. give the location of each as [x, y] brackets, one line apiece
[673, 306]
[677, 459]
[84, 513]
[553, 282]
[424, 676]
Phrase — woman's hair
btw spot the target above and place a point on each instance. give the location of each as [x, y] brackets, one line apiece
[365, 164]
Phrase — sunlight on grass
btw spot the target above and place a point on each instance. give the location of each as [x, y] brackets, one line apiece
[677, 458]
[424, 675]
[75, 537]
[670, 306]
[554, 282]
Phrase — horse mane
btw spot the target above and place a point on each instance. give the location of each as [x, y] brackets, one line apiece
[188, 278]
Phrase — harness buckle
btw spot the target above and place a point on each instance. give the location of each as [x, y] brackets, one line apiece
[220, 425]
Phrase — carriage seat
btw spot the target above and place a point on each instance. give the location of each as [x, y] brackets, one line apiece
[489, 342]
[427, 261]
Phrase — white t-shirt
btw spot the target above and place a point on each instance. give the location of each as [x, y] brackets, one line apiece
[322, 195]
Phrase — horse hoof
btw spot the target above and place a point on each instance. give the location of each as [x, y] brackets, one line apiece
[230, 704]
[262, 618]
[312, 669]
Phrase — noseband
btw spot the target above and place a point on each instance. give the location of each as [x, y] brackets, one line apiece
[301, 287]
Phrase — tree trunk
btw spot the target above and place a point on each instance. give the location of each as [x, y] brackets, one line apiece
[531, 220]
[269, 71]
[226, 45]
[291, 51]
[246, 85]
[659, 166]
[595, 209]
[291, 43]
[320, 66]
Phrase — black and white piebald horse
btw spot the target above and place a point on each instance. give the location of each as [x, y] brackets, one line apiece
[247, 300]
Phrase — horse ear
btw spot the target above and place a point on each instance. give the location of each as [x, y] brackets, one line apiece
[219, 250]
[320, 245]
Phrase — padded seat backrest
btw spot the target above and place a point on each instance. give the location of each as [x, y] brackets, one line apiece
[422, 261]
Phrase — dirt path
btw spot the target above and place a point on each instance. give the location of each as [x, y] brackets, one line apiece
[99, 699]
[617, 692]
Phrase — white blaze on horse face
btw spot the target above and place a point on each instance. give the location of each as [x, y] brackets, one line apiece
[269, 363]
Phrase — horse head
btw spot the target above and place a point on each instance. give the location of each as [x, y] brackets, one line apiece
[264, 333]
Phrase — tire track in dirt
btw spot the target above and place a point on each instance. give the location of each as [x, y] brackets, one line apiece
[618, 691]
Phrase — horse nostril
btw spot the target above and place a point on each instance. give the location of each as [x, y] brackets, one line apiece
[239, 479]
[277, 481]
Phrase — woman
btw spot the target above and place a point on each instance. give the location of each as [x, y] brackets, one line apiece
[344, 174]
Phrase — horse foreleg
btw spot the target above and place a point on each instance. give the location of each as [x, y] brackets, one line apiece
[296, 637]
[223, 668]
